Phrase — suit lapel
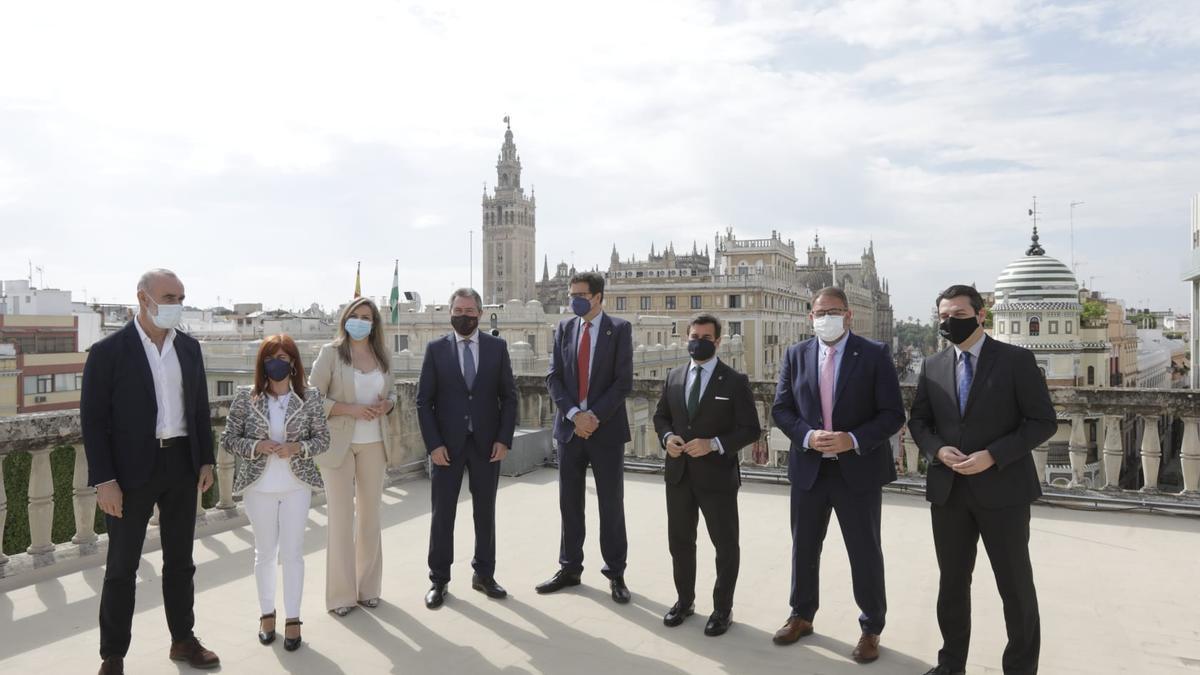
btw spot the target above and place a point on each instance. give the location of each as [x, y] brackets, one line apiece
[572, 365]
[849, 363]
[133, 341]
[710, 389]
[454, 363]
[987, 358]
[812, 368]
[294, 407]
[603, 340]
[942, 372]
[187, 373]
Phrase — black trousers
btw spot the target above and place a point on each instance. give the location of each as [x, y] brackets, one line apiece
[957, 528]
[685, 501]
[608, 468]
[173, 488]
[858, 514]
[483, 480]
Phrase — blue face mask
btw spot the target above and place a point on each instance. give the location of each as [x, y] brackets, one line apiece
[581, 306]
[358, 328]
[277, 369]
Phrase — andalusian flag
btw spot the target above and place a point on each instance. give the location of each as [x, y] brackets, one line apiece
[358, 282]
[395, 299]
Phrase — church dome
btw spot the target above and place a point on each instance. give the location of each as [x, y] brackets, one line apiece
[1036, 278]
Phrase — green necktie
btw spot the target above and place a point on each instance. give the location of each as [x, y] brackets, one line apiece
[693, 400]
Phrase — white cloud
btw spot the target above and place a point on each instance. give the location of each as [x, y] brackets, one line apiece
[205, 136]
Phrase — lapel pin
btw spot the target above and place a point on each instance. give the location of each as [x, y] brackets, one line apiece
[608, 332]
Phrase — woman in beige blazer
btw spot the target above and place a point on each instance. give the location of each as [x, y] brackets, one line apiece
[354, 374]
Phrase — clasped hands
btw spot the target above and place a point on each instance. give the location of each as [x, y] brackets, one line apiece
[830, 442]
[967, 465]
[585, 423]
[441, 455]
[111, 499]
[697, 447]
[367, 413]
[280, 450]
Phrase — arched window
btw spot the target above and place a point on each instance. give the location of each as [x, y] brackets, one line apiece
[742, 268]
[1035, 325]
[1091, 375]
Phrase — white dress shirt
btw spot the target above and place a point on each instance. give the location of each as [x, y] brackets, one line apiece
[473, 338]
[822, 353]
[706, 371]
[168, 384]
[958, 361]
[592, 335]
[278, 476]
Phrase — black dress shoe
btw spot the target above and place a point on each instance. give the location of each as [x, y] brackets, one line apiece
[488, 586]
[436, 596]
[620, 591]
[266, 637]
[678, 613]
[718, 623]
[559, 581]
[113, 665]
[944, 670]
[291, 644]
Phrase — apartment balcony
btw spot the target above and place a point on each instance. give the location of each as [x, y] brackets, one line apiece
[1115, 567]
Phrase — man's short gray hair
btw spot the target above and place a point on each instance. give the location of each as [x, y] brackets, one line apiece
[150, 275]
[468, 293]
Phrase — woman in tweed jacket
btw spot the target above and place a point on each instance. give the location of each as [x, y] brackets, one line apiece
[276, 429]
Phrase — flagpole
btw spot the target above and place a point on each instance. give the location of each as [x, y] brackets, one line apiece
[471, 242]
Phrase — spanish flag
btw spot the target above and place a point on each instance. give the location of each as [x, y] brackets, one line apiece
[358, 282]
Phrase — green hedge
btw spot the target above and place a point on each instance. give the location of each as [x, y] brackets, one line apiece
[62, 469]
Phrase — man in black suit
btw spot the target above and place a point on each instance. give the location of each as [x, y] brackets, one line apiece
[980, 409]
[467, 409]
[838, 400]
[148, 439]
[705, 416]
[591, 373]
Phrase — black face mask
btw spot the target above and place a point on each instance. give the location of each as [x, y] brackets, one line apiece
[702, 350]
[464, 325]
[958, 330]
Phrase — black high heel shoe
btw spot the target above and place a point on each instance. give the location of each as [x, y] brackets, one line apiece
[266, 637]
[291, 644]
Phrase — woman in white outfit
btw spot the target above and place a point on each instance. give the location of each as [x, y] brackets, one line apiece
[276, 428]
[354, 374]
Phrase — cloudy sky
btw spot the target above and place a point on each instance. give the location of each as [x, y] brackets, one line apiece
[262, 149]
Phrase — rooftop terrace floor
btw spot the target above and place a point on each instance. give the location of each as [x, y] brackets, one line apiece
[1120, 593]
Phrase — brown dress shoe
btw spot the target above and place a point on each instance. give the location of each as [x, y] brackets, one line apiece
[867, 649]
[113, 665]
[194, 653]
[793, 630]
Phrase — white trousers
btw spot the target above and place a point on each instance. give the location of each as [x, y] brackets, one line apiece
[278, 520]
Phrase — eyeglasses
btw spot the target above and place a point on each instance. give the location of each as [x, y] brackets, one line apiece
[585, 296]
[829, 312]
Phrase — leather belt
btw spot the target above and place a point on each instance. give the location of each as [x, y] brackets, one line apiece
[172, 442]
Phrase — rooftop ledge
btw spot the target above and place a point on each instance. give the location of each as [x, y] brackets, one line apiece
[1109, 586]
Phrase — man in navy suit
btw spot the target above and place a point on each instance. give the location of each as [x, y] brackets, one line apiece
[148, 439]
[838, 400]
[591, 373]
[467, 409]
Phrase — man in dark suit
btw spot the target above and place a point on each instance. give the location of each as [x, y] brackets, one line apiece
[591, 373]
[838, 400]
[148, 439]
[705, 416]
[980, 409]
[467, 409]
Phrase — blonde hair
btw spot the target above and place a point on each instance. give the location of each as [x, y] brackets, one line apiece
[375, 339]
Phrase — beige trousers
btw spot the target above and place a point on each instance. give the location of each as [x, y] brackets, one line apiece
[354, 556]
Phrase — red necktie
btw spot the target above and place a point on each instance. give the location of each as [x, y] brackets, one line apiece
[585, 355]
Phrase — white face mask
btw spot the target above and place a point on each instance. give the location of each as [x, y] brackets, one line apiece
[167, 317]
[829, 328]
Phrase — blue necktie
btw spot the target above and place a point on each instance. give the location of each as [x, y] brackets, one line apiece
[468, 364]
[964, 383]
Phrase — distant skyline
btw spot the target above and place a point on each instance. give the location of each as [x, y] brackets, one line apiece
[262, 149]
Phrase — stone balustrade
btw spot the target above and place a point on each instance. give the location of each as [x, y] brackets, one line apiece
[1131, 433]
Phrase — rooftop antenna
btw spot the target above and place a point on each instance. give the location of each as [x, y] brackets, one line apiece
[1035, 248]
[1073, 205]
